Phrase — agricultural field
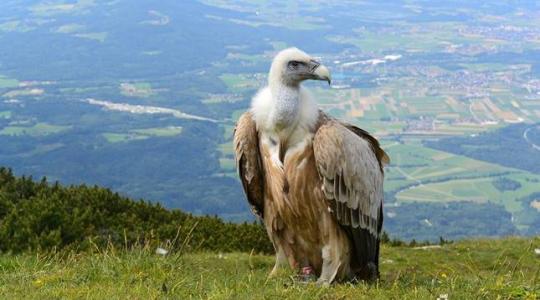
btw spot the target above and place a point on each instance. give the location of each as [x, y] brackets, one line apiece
[139, 89]
[241, 82]
[419, 174]
[38, 129]
[6, 82]
[142, 134]
[5, 114]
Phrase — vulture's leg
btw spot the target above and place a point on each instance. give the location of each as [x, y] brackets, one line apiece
[284, 254]
[336, 261]
[281, 260]
[330, 266]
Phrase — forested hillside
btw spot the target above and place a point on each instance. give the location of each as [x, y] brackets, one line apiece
[45, 216]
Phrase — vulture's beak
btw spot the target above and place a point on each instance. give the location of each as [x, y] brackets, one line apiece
[320, 72]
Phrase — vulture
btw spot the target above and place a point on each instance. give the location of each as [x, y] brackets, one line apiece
[315, 182]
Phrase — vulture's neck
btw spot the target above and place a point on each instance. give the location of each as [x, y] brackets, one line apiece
[282, 111]
[285, 106]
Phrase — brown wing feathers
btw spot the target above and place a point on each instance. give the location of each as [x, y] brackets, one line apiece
[350, 162]
[382, 157]
[352, 179]
[248, 162]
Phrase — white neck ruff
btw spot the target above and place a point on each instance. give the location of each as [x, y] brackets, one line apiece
[282, 108]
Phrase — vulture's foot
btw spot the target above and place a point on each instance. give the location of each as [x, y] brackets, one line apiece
[306, 275]
[323, 282]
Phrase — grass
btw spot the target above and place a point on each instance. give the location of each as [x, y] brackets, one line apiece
[476, 269]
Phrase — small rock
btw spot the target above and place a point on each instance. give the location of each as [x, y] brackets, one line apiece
[443, 297]
[161, 251]
[428, 247]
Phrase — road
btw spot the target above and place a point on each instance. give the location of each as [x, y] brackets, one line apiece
[526, 138]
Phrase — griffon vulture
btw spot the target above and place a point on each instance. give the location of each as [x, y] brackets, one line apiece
[316, 182]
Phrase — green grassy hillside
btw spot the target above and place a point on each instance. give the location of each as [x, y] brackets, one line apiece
[479, 269]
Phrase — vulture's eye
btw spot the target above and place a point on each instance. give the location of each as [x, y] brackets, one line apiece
[294, 64]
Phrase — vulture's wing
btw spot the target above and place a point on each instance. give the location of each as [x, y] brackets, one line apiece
[350, 163]
[248, 162]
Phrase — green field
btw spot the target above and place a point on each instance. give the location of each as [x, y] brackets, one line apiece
[70, 28]
[24, 92]
[141, 134]
[138, 89]
[226, 160]
[218, 99]
[6, 82]
[413, 163]
[80, 90]
[15, 26]
[5, 114]
[159, 131]
[241, 82]
[226, 149]
[476, 189]
[273, 15]
[370, 41]
[421, 174]
[39, 129]
[96, 36]
[51, 9]
[228, 165]
[122, 137]
[477, 269]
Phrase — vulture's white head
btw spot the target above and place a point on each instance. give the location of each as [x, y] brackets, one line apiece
[284, 104]
[292, 66]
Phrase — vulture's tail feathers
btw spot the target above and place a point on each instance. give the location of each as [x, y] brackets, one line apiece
[365, 252]
[365, 256]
